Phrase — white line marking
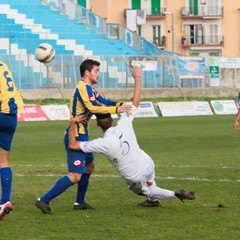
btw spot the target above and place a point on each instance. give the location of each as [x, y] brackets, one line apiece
[159, 178]
[109, 165]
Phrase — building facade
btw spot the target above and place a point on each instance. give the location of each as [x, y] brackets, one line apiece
[189, 27]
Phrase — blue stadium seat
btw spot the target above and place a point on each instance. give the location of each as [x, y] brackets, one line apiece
[61, 25]
[57, 23]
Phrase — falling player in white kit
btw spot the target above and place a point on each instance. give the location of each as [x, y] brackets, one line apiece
[120, 146]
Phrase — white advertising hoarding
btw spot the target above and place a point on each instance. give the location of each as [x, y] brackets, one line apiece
[171, 109]
[146, 110]
[229, 63]
[222, 107]
[56, 112]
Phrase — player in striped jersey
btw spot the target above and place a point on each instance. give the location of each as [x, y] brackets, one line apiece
[11, 104]
[87, 101]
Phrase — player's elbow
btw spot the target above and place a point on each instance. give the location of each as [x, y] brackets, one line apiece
[74, 146]
[136, 103]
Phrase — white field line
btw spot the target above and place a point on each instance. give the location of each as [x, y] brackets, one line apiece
[118, 176]
[109, 165]
[197, 179]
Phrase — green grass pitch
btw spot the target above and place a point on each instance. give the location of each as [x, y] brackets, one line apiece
[199, 154]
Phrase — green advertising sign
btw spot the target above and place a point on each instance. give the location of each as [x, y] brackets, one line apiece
[214, 71]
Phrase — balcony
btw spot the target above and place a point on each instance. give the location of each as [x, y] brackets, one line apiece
[159, 42]
[156, 13]
[204, 41]
[203, 12]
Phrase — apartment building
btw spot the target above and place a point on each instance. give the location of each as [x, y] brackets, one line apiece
[189, 27]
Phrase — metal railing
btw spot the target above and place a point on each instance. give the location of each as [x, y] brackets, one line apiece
[203, 40]
[154, 11]
[63, 71]
[94, 21]
[202, 11]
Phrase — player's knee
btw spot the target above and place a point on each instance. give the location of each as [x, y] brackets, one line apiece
[90, 167]
[75, 177]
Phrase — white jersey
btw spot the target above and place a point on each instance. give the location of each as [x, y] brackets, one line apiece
[120, 146]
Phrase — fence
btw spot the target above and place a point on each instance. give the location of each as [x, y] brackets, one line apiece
[63, 72]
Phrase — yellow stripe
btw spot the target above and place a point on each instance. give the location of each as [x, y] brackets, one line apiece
[7, 82]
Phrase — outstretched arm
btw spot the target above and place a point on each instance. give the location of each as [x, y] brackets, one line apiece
[137, 73]
[87, 97]
[73, 143]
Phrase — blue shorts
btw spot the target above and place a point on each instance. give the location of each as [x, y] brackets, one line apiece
[8, 125]
[77, 160]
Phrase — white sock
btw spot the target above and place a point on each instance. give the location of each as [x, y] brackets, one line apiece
[160, 193]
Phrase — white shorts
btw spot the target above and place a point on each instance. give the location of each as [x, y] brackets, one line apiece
[139, 185]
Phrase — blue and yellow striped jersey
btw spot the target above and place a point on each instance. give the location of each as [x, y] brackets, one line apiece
[86, 100]
[11, 101]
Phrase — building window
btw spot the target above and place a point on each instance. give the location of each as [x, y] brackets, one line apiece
[213, 7]
[193, 7]
[139, 30]
[156, 7]
[156, 33]
[194, 34]
[136, 4]
[213, 28]
[82, 3]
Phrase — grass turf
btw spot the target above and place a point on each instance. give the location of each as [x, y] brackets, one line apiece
[196, 153]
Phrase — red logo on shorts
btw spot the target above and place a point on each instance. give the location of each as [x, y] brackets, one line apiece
[77, 162]
[92, 98]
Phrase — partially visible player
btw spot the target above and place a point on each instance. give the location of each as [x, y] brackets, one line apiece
[11, 104]
[120, 146]
[237, 118]
[85, 100]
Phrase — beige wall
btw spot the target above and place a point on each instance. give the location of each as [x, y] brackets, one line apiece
[229, 24]
[116, 11]
[231, 28]
[99, 7]
[112, 10]
[174, 7]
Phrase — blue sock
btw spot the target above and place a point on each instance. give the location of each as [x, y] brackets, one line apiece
[60, 186]
[6, 180]
[82, 187]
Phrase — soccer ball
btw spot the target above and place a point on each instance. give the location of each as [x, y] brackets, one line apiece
[44, 53]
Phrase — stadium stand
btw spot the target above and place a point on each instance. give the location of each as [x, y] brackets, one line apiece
[25, 24]
[39, 23]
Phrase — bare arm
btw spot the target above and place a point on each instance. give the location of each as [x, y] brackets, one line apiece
[236, 124]
[137, 73]
[73, 144]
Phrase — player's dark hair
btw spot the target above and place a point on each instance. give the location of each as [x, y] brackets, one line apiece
[88, 64]
[104, 121]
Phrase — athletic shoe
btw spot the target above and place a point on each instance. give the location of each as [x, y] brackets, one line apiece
[44, 206]
[181, 194]
[149, 203]
[82, 206]
[5, 209]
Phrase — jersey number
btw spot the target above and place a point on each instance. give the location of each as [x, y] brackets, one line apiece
[124, 145]
[9, 81]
